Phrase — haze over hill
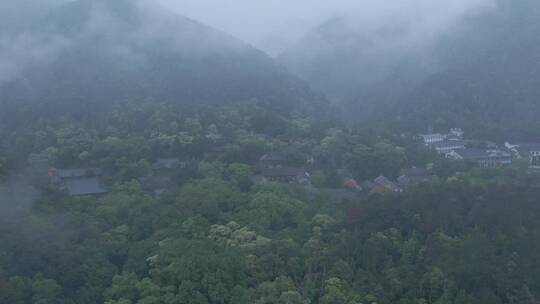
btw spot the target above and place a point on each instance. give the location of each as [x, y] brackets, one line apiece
[275, 25]
[344, 58]
[86, 54]
[348, 55]
[480, 73]
[147, 158]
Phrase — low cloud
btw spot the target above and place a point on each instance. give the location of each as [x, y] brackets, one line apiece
[18, 48]
[122, 30]
[20, 51]
[274, 25]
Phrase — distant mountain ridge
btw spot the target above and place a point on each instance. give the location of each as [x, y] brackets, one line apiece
[345, 59]
[491, 78]
[482, 75]
[88, 54]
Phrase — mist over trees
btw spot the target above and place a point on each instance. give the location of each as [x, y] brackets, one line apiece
[148, 158]
[478, 73]
[89, 54]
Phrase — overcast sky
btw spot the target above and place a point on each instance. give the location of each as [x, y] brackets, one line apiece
[273, 25]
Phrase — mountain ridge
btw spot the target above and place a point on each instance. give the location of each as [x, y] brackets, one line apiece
[480, 74]
[96, 52]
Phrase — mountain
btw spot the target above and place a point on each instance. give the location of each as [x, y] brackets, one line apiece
[86, 55]
[490, 80]
[346, 58]
[481, 74]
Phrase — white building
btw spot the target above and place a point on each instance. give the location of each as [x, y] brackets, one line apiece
[454, 134]
[457, 132]
[447, 146]
[526, 151]
[432, 138]
[484, 158]
[535, 160]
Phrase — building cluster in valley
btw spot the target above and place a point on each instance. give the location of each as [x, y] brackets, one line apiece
[275, 167]
[408, 178]
[93, 181]
[454, 146]
[270, 167]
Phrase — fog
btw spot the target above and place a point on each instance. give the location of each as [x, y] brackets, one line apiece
[269, 151]
[16, 198]
[23, 45]
[21, 12]
[19, 49]
[271, 25]
[274, 25]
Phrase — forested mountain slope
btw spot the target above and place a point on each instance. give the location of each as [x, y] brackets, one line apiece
[491, 77]
[482, 74]
[175, 123]
[88, 54]
[345, 57]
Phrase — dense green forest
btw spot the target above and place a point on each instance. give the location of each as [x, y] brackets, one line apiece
[217, 237]
[216, 234]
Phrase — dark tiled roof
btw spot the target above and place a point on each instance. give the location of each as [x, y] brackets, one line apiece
[448, 144]
[473, 154]
[79, 172]
[479, 154]
[84, 186]
[386, 183]
[407, 181]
